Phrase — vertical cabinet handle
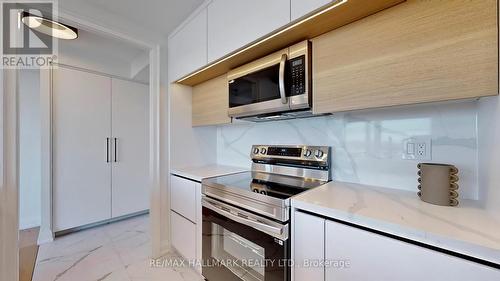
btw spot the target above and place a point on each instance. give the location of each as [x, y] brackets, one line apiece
[116, 150]
[107, 150]
[281, 81]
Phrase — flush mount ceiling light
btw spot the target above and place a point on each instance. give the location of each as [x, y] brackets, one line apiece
[49, 27]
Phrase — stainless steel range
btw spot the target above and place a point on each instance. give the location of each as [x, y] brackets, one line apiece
[246, 216]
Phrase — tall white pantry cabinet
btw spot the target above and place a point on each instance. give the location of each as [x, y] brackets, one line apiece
[100, 148]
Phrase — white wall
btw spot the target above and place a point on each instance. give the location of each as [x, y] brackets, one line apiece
[104, 54]
[30, 148]
[367, 145]
[86, 61]
[489, 153]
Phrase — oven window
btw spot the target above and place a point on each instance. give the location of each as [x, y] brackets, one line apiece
[232, 251]
[242, 257]
[255, 87]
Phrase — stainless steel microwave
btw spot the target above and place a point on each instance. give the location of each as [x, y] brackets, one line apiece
[274, 87]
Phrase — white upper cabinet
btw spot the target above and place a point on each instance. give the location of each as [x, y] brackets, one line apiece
[234, 23]
[187, 49]
[301, 7]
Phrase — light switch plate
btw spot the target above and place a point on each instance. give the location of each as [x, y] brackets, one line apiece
[417, 148]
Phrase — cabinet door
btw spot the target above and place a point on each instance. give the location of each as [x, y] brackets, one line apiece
[183, 236]
[375, 257]
[300, 8]
[130, 150]
[187, 49]
[235, 23]
[308, 247]
[183, 197]
[81, 126]
[414, 52]
[211, 102]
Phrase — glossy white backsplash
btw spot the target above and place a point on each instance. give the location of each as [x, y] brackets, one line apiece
[368, 145]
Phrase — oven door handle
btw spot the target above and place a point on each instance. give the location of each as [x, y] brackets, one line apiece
[226, 212]
[282, 79]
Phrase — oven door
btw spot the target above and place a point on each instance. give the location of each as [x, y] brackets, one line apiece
[238, 245]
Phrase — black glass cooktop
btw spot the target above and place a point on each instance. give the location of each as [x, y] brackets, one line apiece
[277, 186]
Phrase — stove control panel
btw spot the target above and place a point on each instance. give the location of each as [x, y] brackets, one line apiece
[292, 152]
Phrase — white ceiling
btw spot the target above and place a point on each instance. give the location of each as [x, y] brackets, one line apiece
[108, 47]
[151, 20]
[103, 54]
[147, 21]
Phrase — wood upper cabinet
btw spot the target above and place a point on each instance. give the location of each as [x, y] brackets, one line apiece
[234, 23]
[415, 52]
[187, 49]
[211, 102]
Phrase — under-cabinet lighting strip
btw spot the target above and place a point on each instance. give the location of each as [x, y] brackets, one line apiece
[338, 3]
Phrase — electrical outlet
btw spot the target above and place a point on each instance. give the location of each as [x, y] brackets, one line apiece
[417, 148]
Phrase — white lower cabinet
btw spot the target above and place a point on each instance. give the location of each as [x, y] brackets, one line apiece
[308, 246]
[183, 197]
[353, 254]
[183, 236]
[375, 257]
[186, 223]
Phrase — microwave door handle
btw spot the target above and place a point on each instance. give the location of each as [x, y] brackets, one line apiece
[282, 79]
[255, 224]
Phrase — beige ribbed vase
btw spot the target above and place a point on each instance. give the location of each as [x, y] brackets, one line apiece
[438, 184]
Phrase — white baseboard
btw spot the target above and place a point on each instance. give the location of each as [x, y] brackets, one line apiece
[28, 223]
[45, 236]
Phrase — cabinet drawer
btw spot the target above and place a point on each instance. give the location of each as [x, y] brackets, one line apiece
[308, 245]
[375, 257]
[183, 236]
[183, 197]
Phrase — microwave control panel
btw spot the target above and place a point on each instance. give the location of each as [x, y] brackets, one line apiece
[298, 76]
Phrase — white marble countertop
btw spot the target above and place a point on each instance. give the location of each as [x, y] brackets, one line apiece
[202, 172]
[467, 229]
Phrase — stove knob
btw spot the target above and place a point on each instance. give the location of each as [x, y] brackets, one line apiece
[263, 150]
[319, 153]
[308, 153]
[256, 150]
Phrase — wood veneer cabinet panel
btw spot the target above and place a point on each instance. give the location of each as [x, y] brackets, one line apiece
[211, 102]
[415, 52]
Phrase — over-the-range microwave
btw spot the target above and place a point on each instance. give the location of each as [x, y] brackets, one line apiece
[274, 87]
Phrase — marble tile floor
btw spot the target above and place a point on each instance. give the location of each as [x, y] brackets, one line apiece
[114, 252]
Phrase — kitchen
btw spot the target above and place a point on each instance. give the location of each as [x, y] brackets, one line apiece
[289, 141]
[396, 77]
